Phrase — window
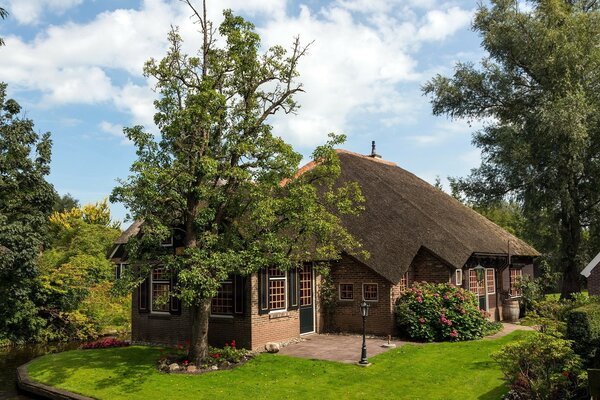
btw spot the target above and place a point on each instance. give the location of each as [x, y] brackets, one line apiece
[515, 277]
[222, 303]
[370, 292]
[119, 270]
[491, 280]
[161, 286]
[277, 298]
[168, 241]
[346, 291]
[474, 284]
[458, 277]
[306, 287]
[404, 282]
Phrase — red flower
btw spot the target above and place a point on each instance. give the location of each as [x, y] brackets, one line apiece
[233, 343]
[185, 362]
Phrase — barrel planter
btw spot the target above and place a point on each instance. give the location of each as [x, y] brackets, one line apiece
[510, 310]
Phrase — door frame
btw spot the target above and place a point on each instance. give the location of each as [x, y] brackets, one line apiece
[313, 304]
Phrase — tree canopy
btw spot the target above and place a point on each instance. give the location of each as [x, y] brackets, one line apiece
[537, 93]
[220, 177]
[26, 200]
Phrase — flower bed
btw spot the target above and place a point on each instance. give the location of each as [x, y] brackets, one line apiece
[105, 344]
[175, 360]
[440, 312]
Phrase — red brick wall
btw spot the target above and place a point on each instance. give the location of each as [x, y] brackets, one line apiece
[347, 316]
[594, 282]
[272, 327]
[428, 268]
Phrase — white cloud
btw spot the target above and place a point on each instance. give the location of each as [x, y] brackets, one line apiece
[363, 51]
[445, 131]
[114, 130]
[30, 11]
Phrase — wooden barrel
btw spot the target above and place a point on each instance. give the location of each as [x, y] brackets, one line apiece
[510, 311]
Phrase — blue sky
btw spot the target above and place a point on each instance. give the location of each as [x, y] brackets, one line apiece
[75, 67]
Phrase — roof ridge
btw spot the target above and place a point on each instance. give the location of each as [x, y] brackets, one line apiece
[376, 159]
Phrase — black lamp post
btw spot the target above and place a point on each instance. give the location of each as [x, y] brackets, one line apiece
[364, 311]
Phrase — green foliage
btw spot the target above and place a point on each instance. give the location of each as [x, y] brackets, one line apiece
[452, 371]
[536, 92]
[218, 174]
[26, 200]
[533, 290]
[76, 278]
[3, 14]
[64, 203]
[440, 312]
[542, 367]
[583, 328]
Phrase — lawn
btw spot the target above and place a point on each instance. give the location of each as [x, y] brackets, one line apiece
[433, 371]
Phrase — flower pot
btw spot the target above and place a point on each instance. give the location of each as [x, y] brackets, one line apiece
[510, 310]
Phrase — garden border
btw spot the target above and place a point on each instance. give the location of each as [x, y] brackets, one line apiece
[26, 384]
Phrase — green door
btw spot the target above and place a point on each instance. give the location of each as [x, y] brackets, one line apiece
[307, 310]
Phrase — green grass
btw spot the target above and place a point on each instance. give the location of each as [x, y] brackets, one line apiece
[433, 371]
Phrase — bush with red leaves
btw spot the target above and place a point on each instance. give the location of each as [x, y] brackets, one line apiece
[105, 344]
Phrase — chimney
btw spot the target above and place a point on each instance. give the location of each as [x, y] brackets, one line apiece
[373, 152]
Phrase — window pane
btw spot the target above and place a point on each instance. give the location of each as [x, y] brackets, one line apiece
[370, 291]
[159, 274]
[276, 294]
[222, 303]
[404, 281]
[305, 287]
[276, 273]
[491, 284]
[160, 297]
[346, 291]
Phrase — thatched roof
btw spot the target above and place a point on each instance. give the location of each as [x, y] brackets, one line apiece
[404, 213]
[131, 231]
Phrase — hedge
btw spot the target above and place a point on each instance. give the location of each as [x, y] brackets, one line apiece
[583, 328]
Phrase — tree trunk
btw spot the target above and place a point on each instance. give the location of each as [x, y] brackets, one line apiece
[199, 337]
[570, 245]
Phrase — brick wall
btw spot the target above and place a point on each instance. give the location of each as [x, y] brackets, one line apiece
[429, 268]
[594, 282]
[347, 316]
[271, 327]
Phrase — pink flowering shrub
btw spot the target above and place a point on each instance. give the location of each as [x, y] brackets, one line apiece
[104, 344]
[440, 312]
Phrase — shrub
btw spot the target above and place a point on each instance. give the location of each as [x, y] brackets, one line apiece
[542, 367]
[105, 344]
[583, 328]
[440, 312]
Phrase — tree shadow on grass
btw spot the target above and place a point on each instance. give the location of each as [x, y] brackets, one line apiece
[124, 368]
[494, 394]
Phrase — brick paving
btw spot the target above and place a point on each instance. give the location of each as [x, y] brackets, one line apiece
[347, 348]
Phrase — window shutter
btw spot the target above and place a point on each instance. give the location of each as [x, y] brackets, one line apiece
[239, 292]
[263, 292]
[293, 289]
[175, 302]
[143, 295]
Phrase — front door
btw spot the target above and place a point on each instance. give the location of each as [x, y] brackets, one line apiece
[307, 310]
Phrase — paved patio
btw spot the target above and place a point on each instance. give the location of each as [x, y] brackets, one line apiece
[347, 348]
[341, 348]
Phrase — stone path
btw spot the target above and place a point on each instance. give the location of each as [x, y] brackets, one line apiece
[347, 348]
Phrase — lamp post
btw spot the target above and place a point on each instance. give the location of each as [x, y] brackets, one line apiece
[364, 311]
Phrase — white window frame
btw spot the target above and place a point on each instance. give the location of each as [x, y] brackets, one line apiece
[493, 280]
[230, 315]
[120, 267]
[151, 296]
[167, 242]
[458, 277]
[284, 278]
[340, 291]
[510, 286]
[363, 291]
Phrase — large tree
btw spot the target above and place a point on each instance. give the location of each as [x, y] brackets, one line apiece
[537, 91]
[26, 200]
[221, 178]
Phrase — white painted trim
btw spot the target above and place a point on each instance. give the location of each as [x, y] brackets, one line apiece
[151, 288]
[458, 282]
[112, 254]
[285, 292]
[363, 291]
[588, 269]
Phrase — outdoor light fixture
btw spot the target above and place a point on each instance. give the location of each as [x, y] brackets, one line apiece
[364, 311]
[481, 278]
[480, 271]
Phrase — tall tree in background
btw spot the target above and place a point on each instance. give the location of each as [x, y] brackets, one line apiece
[3, 15]
[26, 200]
[538, 92]
[220, 177]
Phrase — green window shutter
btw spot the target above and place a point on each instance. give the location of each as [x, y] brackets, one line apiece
[239, 293]
[263, 291]
[174, 302]
[143, 296]
[293, 289]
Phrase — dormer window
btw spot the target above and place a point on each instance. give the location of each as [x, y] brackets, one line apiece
[167, 242]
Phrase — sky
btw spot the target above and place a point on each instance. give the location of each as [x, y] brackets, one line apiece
[75, 66]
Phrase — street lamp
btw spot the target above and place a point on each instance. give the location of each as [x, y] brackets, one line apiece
[364, 311]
